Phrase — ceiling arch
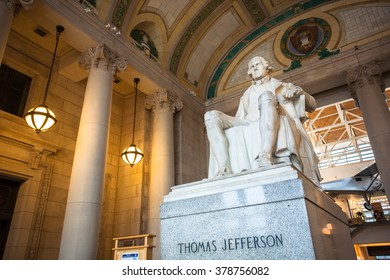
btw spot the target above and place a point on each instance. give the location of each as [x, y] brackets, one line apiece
[252, 36]
[205, 44]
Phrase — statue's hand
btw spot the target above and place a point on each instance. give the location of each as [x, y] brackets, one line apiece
[292, 91]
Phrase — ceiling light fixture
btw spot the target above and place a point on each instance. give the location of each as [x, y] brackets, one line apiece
[133, 155]
[41, 118]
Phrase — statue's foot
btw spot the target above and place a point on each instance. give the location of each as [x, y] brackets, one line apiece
[263, 161]
[223, 172]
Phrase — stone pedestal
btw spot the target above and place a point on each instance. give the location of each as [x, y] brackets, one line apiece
[273, 214]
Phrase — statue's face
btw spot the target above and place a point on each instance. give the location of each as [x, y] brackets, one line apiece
[256, 69]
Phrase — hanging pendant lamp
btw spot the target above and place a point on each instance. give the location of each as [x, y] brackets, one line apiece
[133, 155]
[41, 118]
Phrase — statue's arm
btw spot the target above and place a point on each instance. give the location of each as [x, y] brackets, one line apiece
[310, 102]
[292, 91]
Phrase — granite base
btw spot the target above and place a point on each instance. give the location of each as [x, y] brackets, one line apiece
[273, 214]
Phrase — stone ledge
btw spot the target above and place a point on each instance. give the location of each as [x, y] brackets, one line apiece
[277, 173]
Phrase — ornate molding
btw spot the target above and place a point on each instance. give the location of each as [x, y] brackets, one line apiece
[38, 224]
[163, 100]
[15, 5]
[11, 4]
[364, 75]
[102, 57]
[120, 12]
[35, 160]
[38, 155]
[38, 161]
[255, 10]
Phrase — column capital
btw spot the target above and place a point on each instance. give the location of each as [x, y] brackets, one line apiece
[364, 75]
[163, 100]
[25, 3]
[11, 4]
[16, 5]
[102, 57]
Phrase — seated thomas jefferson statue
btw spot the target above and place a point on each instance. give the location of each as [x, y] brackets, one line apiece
[267, 129]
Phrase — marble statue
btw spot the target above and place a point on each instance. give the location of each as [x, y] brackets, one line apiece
[266, 130]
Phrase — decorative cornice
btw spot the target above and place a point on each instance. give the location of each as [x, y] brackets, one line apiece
[120, 12]
[36, 157]
[163, 100]
[255, 10]
[102, 57]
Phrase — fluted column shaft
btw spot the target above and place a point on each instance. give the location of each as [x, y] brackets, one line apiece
[82, 217]
[164, 104]
[367, 87]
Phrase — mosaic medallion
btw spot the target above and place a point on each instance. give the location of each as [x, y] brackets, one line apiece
[254, 35]
[305, 38]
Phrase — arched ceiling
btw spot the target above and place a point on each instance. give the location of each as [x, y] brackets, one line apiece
[206, 44]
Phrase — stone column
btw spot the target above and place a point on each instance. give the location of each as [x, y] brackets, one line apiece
[163, 105]
[367, 87]
[8, 8]
[82, 217]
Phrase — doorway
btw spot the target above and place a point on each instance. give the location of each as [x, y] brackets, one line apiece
[8, 195]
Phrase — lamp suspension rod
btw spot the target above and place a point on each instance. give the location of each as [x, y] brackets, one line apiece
[136, 81]
[59, 29]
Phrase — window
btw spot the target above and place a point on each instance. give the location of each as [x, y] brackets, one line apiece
[14, 87]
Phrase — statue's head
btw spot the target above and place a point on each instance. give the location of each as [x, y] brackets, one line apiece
[258, 68]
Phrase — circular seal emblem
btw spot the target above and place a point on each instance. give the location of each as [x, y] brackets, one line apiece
[305, 38]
